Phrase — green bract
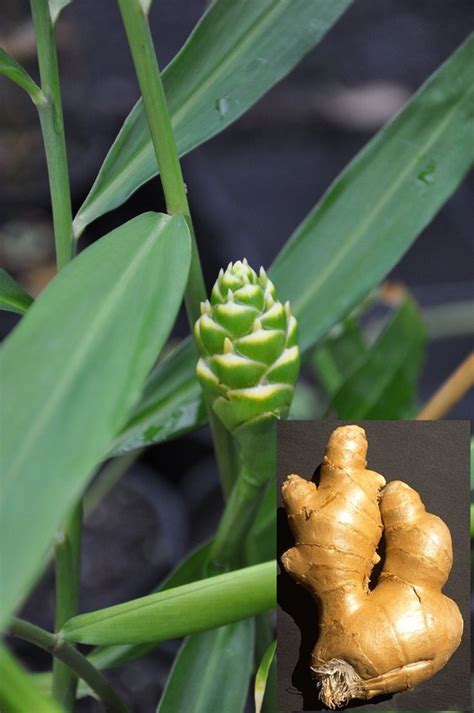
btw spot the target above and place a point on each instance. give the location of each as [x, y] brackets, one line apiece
[249, 346]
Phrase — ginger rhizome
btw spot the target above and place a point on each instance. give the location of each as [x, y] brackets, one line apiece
[403, 631]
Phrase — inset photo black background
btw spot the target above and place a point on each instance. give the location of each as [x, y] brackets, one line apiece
[433, 458]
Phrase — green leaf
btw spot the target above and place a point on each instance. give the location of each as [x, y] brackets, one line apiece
[306, 404]
[18, 692]
[145, 5]
[180, 611]
[238, 51]
[262, 676]
[337, 358]
[212, 670]
[10, 68]
[384, 384]
[189, 570]
[376, 208]
[171, 404]
[76, 364]
[13, 298]
[56, 7]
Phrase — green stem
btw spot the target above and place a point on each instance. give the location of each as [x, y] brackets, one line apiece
[67, 571]
[139, 37]
[257, 451]
[225, 450]
[52, 126]
[159, 122]
[241, 508]
[55, 645]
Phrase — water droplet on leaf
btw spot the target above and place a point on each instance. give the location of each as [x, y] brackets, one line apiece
[151, 433]
[222, 106]
[426, 176]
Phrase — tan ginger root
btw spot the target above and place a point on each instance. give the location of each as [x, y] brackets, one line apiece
[401, 633]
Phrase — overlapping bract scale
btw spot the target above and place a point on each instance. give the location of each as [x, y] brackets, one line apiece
[249, 347]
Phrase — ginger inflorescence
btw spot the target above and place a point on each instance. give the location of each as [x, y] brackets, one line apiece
[404, 630]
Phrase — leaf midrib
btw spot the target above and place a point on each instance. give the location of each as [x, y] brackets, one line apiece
[160, 598]
[209, 672]
[299, 304]
[63, 384]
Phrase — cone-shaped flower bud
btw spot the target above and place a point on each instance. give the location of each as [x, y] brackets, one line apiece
[249, 347]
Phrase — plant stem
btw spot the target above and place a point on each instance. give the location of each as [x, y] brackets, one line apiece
[55, 645]
[239, 513]
[52, 126]
[225, 450]
[156, 109]
[67, 571]
[257, 453]
[139, 37]
[450, 392]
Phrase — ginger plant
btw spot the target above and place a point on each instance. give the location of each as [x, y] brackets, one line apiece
[404, 630]
[78, 366]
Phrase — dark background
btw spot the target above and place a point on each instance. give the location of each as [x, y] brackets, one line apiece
[433, 458]
[248, 188]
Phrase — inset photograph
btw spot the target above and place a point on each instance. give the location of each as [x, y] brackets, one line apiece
[373, 554]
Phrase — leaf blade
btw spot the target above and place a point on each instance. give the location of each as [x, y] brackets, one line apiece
[262, 676]
[236, 53]
[336, 358]
[375, 209]
[172, 402]
[180, 611]
[18, 691]
[63, 370]
[188, 570]
[383, 385]
[56, 7]
[13, 298]
[13, 70]
[213, 670]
